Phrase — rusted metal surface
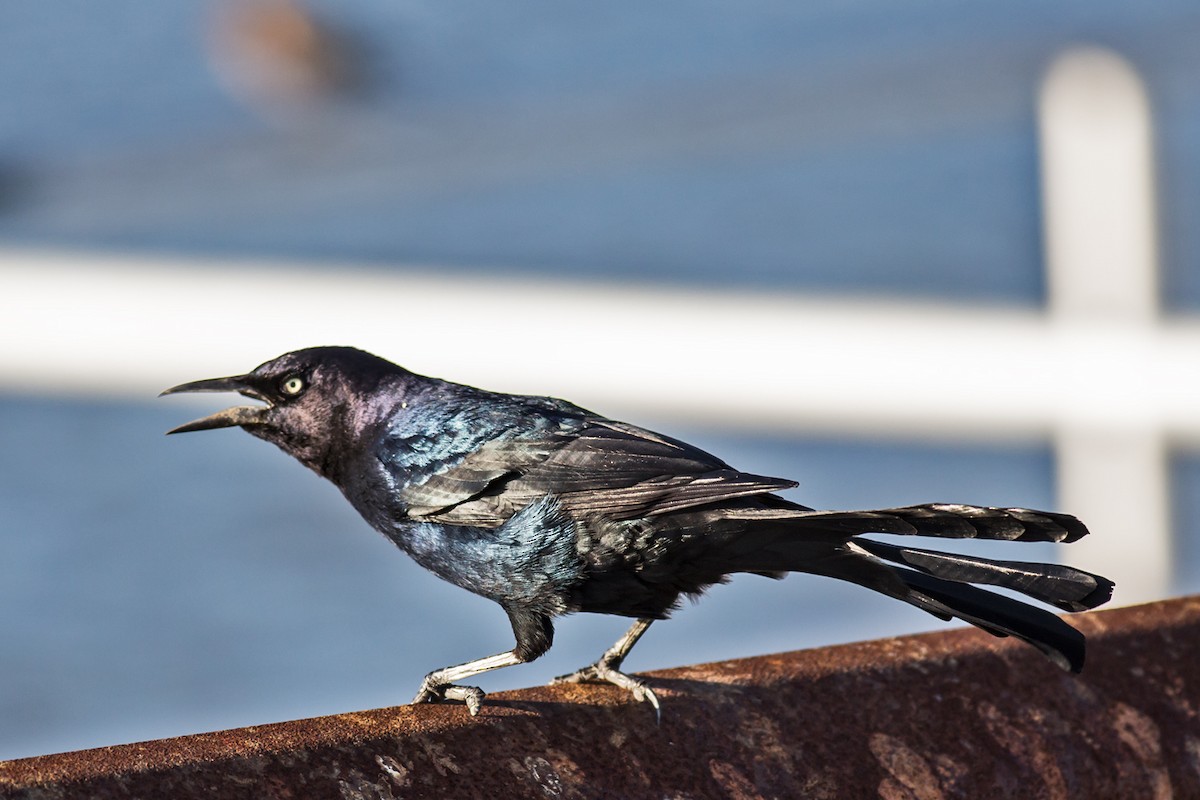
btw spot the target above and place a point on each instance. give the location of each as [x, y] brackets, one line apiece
[956, 714]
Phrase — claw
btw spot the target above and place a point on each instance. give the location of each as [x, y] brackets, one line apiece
[644, 694]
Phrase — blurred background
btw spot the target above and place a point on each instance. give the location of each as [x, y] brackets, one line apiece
[900, 253]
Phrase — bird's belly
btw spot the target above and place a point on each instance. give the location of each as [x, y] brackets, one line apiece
[531, 561]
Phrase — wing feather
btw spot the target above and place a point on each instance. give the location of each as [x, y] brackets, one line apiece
[608, 468]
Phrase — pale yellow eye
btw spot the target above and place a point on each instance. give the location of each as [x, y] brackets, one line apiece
[293, 385]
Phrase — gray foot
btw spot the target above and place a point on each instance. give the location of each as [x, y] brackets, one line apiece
[432, 692]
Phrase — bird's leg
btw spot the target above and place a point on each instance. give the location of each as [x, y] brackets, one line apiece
[439, 684]
[534, 633]
[607, 668]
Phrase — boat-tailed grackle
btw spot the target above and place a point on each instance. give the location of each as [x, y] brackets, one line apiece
[548, 509]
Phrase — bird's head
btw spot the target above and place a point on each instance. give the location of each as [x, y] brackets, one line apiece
[316, 401]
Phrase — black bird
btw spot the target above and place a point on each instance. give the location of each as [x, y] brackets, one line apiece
[548, 509]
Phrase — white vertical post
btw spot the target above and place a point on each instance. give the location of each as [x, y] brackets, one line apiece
[1102, 271]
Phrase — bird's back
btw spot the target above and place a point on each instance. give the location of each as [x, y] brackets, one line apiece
[461, 456]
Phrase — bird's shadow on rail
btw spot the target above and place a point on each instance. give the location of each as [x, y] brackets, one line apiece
[613, 700]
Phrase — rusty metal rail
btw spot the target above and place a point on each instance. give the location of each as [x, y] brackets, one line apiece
[956, 714]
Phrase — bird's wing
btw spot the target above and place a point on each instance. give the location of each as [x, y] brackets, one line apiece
[605, 468]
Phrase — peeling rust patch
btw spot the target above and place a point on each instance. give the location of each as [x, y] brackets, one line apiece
[942, 716]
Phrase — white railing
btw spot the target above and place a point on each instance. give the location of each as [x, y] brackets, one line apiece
[1098, 192]
[1101, 373]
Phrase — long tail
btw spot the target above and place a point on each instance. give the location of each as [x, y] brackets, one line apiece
[940, 583]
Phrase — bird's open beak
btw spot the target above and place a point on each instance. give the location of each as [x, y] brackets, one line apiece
[230, 417]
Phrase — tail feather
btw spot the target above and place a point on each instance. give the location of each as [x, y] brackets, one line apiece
[1064, 587]
[1000, 616]
[942, 520]
[781, 539]
[997, 614]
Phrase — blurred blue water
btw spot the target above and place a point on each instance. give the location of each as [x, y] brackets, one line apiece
[156, 586]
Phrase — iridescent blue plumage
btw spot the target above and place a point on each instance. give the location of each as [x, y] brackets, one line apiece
[441, 424]
[530, 561]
